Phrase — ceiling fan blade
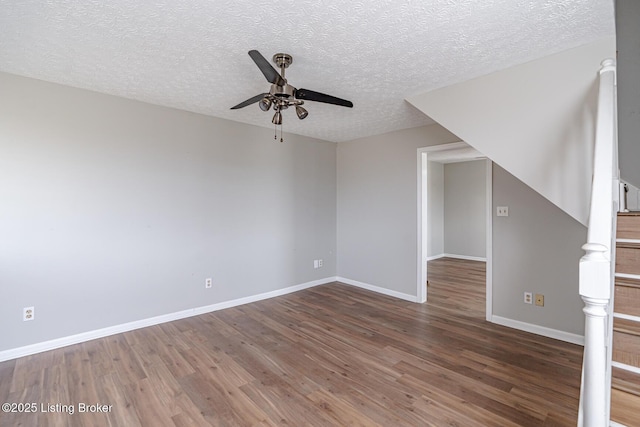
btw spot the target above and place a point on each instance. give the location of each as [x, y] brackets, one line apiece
[267, 69]
[250, 101]
[309, 95]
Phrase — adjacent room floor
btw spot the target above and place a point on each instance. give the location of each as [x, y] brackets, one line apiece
[329, 355]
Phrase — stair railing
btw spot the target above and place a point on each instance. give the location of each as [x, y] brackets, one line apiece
[597, 265]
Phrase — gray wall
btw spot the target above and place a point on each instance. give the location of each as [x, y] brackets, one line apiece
[114, 210]
[465, 216]
[435, 209]
[377, 206]
[628, 42]
[536, 249]
[552, 154]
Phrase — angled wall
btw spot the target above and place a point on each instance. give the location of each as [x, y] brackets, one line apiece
[536, 249]
[535, 120]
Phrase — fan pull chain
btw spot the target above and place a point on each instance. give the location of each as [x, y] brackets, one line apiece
[281, 140]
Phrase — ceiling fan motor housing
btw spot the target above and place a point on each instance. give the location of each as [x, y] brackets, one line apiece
[286, 91]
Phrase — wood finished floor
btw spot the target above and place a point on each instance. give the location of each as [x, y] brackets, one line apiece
[332, 355]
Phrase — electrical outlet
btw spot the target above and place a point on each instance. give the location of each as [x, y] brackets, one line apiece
[528, 298]
[208, 282]
[503, 210]
[28, 313]
[540, 300]
[316, 263]
[320, 263]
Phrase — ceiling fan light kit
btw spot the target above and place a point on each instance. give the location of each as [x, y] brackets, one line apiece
[282, 95]
[301, 112]
[265, 104]
[277, 118]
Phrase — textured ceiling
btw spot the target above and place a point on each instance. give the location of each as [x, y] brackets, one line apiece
[192, 54]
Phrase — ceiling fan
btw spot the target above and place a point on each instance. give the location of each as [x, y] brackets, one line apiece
[282, 95]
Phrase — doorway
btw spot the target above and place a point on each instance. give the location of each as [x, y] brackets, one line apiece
[445, 154]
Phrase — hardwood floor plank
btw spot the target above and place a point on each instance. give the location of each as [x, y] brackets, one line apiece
[168, 355]
[443, 408]
[148, 403]
[124, 359]
[30, 394]
[54, 389]
[113, 392]
[82, 383]
[26, 375]
[329, 355]
[285, 406]
[7, 370]
[209, 362]
[475, 393]
[340, 410]
[625, 408]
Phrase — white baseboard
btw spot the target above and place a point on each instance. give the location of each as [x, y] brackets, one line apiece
[539, 330]
[377, 289]
[27, 350]
[467, 257]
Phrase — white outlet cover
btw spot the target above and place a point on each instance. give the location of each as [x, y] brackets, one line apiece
[208, 282]
[320, 263]
[528, 298]
[503, 210]
[28, 313]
